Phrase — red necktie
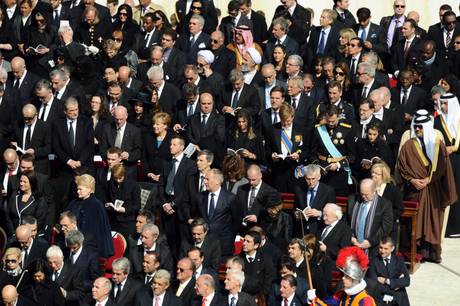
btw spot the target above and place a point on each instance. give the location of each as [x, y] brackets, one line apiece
[10, 172]
[203, 303]
[406, 49]
[286, 302]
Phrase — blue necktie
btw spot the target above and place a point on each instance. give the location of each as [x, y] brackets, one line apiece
[235, 100]
[312, 196]
[232, 301]
[363, 34]
[211, 206]
[322, 43]
[361, 222]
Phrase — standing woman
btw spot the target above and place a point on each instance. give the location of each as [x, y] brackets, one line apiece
[27, 202]
[100, 117]
[127, 25]
[448, 122]
[122, 217]
[279, 61]
[91, 215]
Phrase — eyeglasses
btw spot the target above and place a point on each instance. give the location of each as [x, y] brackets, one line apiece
[10, 261]
[40, 20]
[451, 22]
[214, 41]
[180, 269]
[418, 127]
[28, 118]
[359, 73]
[399, 6]
[268, 77]
[352, 45]
[189, 79]
[339, 73]
[196, 8]
[117, 39]
[123, 14]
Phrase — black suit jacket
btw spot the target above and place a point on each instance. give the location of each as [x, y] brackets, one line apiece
[145, 298]
[436, 33]
[259, 30]
[143, 46]
[259, 274]
[188, 294]
[385, 25]
[336, 239]
[393, 124]
[127, 294]
[70, 279]
[248, 99]
[224, 61]
[84, 144]
[63, 15]
[292, 47]
[382, 223]
[324, 194]
[304, 117]
[131, 142]
[174, 67]
[263, 97]
[397, 274]
[211, 251]
[168, 99]
[211, 136]
[416, 100]
[55, 112]
[347, 21]
[25, 92]
[37, 251]
[88, 264]
[136, 256]
[202, 42]
[330, 47]
[244, 299]
[154, 157]
[217, 300]
[301, 18]
[227, 26]
[376, 36]
[398, 61]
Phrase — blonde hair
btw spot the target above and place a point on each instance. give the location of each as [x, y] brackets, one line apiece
[162, 117]
[118, 171]
[86, 180]
[386, 174]
[12, 251]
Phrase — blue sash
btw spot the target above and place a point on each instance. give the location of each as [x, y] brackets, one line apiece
[332, 149]
[285, 139]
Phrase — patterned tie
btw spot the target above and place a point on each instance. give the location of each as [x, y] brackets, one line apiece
[448, 39]
[252, 198]
[325, 232]
[157, 301]
[232, 301]
[286, 302]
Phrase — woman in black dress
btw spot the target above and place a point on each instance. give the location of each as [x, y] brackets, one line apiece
[11, 267]
[142, 116]
[126, 24]
[100, 116]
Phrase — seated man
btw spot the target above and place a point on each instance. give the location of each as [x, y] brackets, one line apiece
[287, 292]
[100, 292]
[124, 287]
[31, 249]
[185, 285]
[67, 223]
[158, 292]
[233, 282]
[391, 275]
[206, 290]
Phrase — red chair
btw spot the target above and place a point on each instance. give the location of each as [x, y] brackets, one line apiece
[119, 247]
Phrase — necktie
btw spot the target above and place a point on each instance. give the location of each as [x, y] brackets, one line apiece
[16, 84]
[405, 97]
[278, 42]
[448, 39]
[42, 117]
[325, 232]
[364, 94]
[118, 138]
[192, 41]
[312, 196]
[203, 303]
[342, 15]
[202, 187]
[362, 222]
[353, 66]
[10, 172]
[71, 134]
[147, 279]
[387, 265]
[275, 117]
[157, 301]
[171, 175]
[203, 119]
[190, 110]
[72, 257]
[322, 43]
[56, 15]
[118, 291]
[294, 103]
[27, 140]
[406, 49]
[235, 100]
[73, 4]
[232, 301]
[286, 302]
[363, 34]
[24, 261]
[112, 107]
[252, 197]
[211, 206]
[55, 276]
[250, 259]
[146, 39]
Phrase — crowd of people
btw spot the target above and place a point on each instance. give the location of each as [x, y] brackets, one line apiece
[184, 136]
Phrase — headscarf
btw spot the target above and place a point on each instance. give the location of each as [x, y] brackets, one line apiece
[452, 118]
[429, 136]
[247, 37]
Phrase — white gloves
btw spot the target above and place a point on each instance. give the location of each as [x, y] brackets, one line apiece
[93, 50]
[311, 294]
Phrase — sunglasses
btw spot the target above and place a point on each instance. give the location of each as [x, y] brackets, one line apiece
[189, 79]
[10, 261]
[452, 22]
[400, 6]
[418, 127]
[28, 118]
[214, 41]
[180, 269]
[117, 39]
[123, 14]
[196, 8]
[339, 73]
[351, 45]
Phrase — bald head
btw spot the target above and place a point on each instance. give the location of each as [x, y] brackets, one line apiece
[413, 15]
[120, 116]
[29, 111]
[18, 66]
[9, 295]
[23, 231]
[217, 40]
[11, 158]
[367, 189]
[124, 73]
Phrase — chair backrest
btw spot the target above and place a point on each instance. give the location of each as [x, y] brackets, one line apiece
[119, 247]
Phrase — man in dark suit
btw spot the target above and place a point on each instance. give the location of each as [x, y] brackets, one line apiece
[238, 95]
[254, 196]
[126, 78]
[311, 199]
[370, 216]
[280, 28]
[233, 282]
[149, 239]
[366, 119]
[409, 97]
[77, 13]
[264, 88]
[366, 82]
[206, 291]
[83, 258]
[101, 292]
[391, 23]
[126, 136]
[301, 17]
[389, 272]
[67, 277]
[184, 287]
[156, 58]
[63, 86]
[31, 249]
[336, 233]
[61, 11]
[287, 295]
[168, 94]
[49, 108]
[224, 59]
[218, 208]
[259, 25]
[175, 212]
[124, 287]
[208, 244]
[150, 265]
[32, 135]
[8, 115]
[344, 16]
[313, 90]
[10, 296]
[407, 50]
[197, 40]
[207, 129]
[433, 67]
[158, 293]
[323, 39]
[372, 34]
[173, 57]
[11, 8]
[234, 19]
[149, 37]
[445, 36]
[258, 267]
[21, 83]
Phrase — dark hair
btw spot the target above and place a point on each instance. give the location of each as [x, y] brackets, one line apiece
[288, 263]
[28, 157]
[195, 248]
[367, 101]
[233, 167]
[332, 110]
[148, 215]
[360, 41]
[161, 14]
[447, 14]
[333, 84]
[233, 5]
[290, 279]
[242, 113]
[363, 13]
[413, 24]
[375, 126]
[32, 177]
[278, 88]
[387, 239]
[189, 89]
[172, 33]
[39, 265]
[256, 236]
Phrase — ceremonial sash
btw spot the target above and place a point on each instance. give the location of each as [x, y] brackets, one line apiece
[286, 141]
[332, 149]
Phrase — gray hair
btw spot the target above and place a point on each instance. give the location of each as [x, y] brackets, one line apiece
[297, 58]
[437, 89]
[3, 73]
[367, 68]
[336, 209]
[65, 28]
[155, 72]
[236, 75]
[208, 280]
[43, 84]
[198, 18]
[268, 66]
[163, 274]
[282, 23]
[57, 73]
[208, 155]
[312, 169]
[372, 58]
[150, 227]
[218, 174]
[106, 282]
[237, 275]
[122, 264]
[71, 101]
[54, 251]
[73, 237]
[298, 81]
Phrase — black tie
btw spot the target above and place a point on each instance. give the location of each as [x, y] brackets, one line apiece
[251, 259]
[27, 140]
[71, 134]
[405, 97]
[24, 263]
[353, 66]
[118, 291]
[56, 275]
[42, 117]
[212, 206]
[16, 84]
[387, 265]
[294, 101]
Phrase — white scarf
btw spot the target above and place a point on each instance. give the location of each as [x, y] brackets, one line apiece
[429, 136]
[452, 118]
